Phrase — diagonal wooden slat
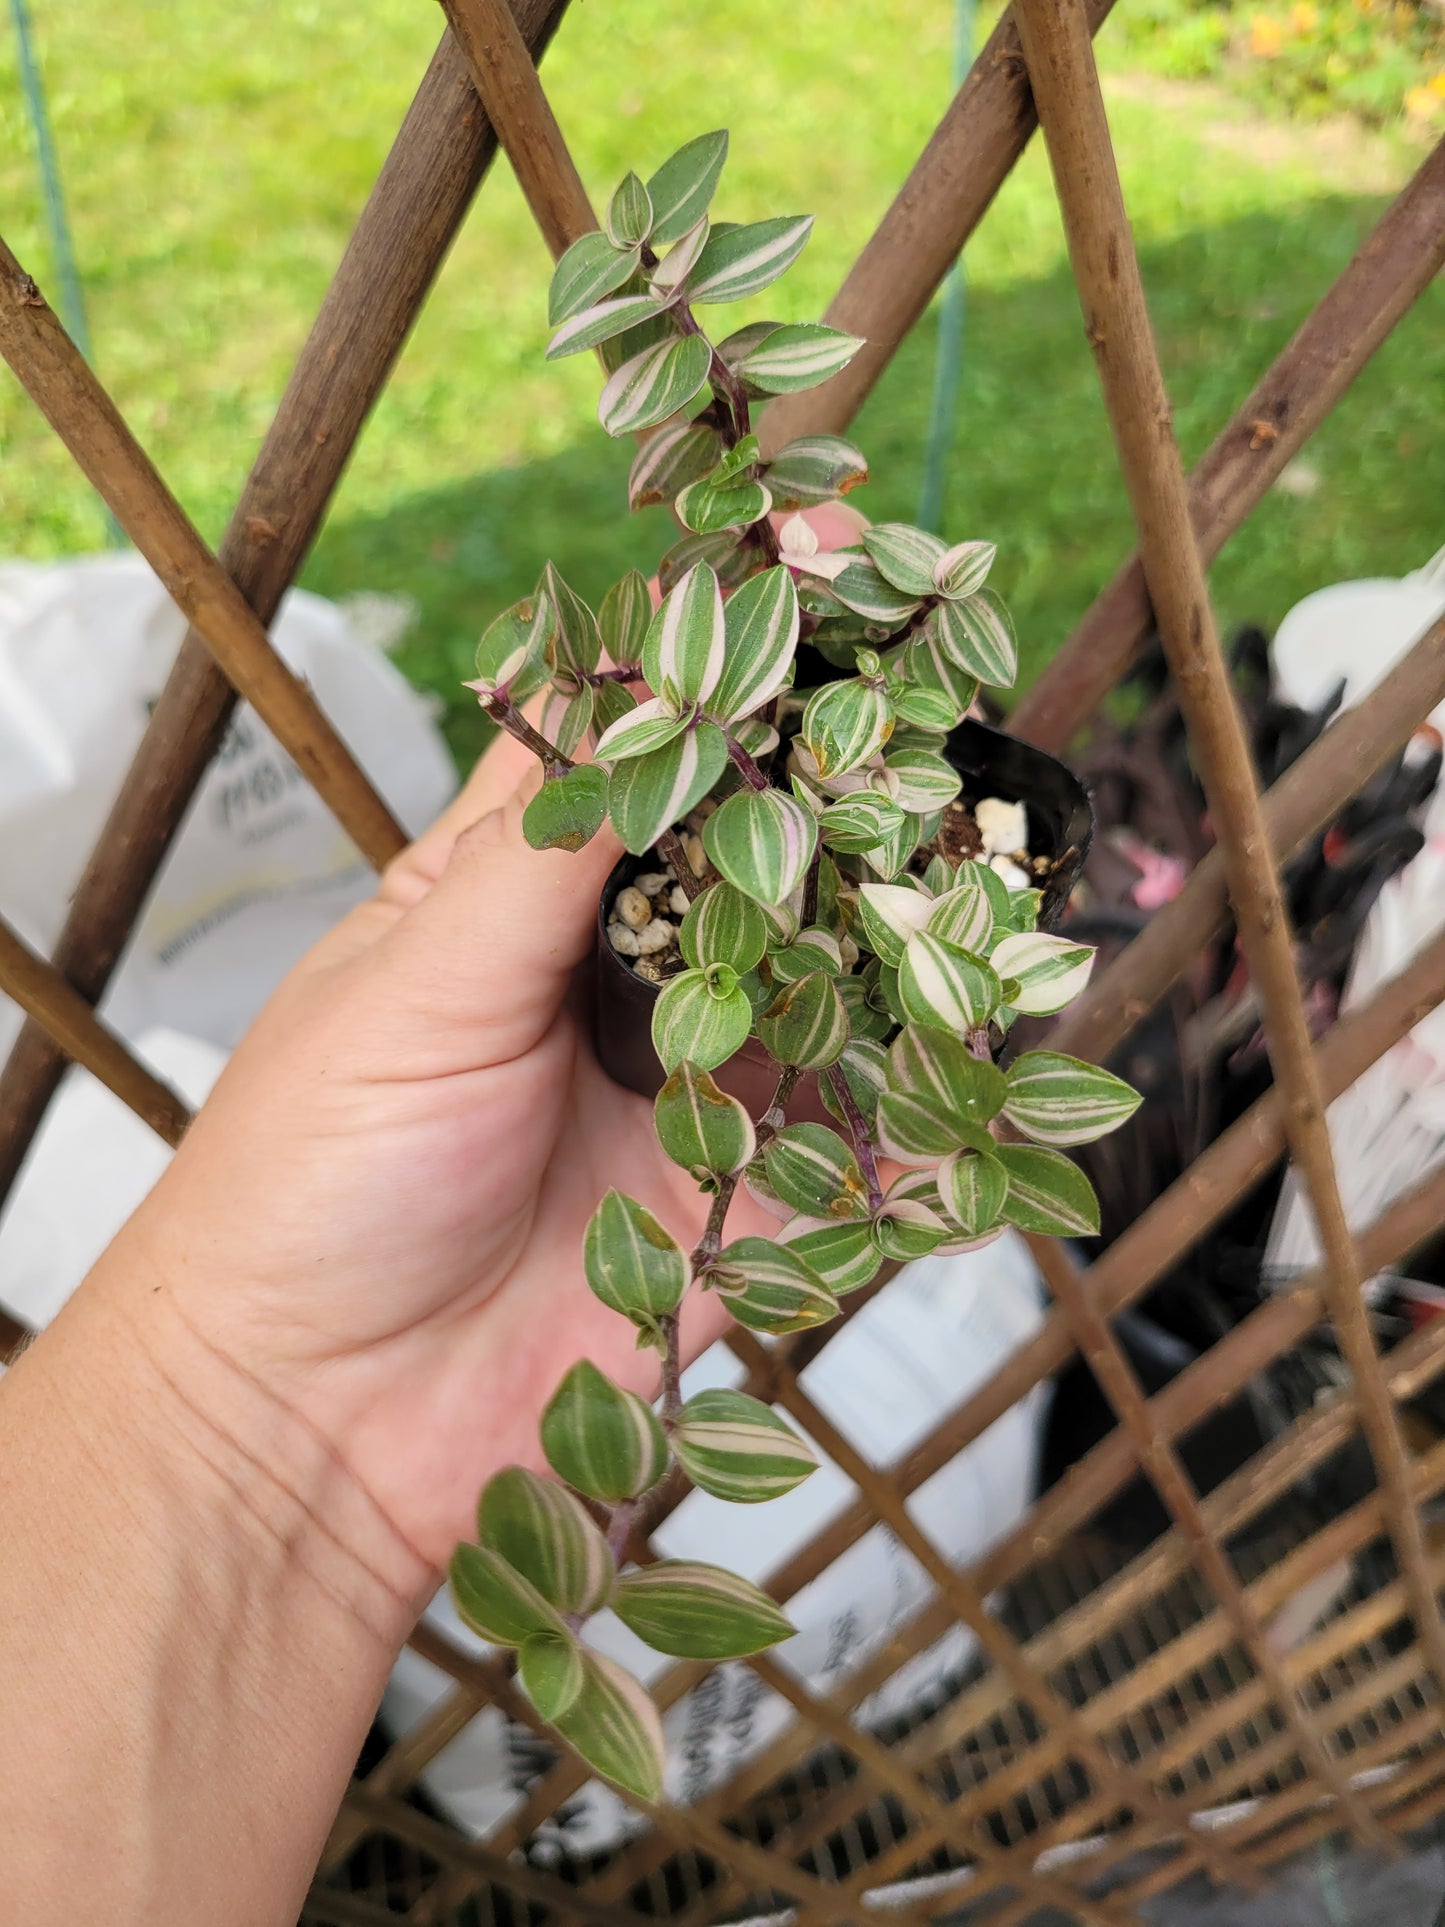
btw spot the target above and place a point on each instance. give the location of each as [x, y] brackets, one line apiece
[949, 190]
[1390, 271]
[1065, 80]
[1304, 800]
[1162, 1465]
[40, 990]
[67, 392]
[427, 183]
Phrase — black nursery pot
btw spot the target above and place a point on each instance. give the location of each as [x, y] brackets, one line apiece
[1061, 825]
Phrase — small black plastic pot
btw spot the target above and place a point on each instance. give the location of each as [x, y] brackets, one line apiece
[1061, 825]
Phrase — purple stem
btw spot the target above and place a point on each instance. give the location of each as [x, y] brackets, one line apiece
[619, 1529]
[862, 1138]
[500, 707]
[624, 672]
[751, 774]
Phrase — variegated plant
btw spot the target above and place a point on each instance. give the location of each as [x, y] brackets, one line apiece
[825, 929]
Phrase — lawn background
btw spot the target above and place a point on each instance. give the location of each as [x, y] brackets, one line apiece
[216, 154]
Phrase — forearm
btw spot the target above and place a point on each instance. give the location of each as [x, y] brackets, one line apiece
[200, 1608]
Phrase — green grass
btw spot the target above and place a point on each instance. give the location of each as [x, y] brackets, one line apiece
[216, 164]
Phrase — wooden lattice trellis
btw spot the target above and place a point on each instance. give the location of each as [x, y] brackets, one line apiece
[1112, 1705]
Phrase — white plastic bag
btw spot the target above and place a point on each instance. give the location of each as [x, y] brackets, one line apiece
[261, 868]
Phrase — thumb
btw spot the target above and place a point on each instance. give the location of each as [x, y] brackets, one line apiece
[486, 956]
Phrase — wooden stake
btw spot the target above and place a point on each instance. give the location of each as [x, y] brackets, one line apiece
[1065, 81]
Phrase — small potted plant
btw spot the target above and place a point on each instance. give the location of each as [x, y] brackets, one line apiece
[837, 898]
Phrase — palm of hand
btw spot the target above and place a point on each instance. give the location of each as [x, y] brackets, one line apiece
[406, 1149]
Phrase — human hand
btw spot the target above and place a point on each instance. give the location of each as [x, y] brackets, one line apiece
[379, 1213]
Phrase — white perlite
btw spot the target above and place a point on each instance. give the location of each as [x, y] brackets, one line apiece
[623, 940]
[633, 908]
[1002, 827]
[1013, 876]
[657, 936]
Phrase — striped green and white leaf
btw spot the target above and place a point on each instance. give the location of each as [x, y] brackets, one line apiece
[679, 452]
[858, 822]
[643, 728]
[806, 1024]
[845, 723]
[648, 794]
[696, 1611]
[575, 644]
[928, 666]
[860, 585]
[922, 1185]
[590, 269]
[551, 1671]
[681, 190]
[611, 701]
[945, 987]
[546, 1534]
[840, 1250]
[1060, 1100]
[864, 1067]
[964, 915]
[925, 706]
[813, 469]
[739, 261]
[668, 277]
[762, 842]
[812, 1170]
[889, 914]
[755, 735]
[906, 1228]
[604, 1441]
[496, 1601]
[592, 326]
[761, 623]
[973, 1186]
[979, 876]
[939, 875]
[868, 1015]
[815, 948]
[735, 1447]
[513, 651]
[963, 569]
[614, 1725]
[700, 1127]
[703, 1015]
[683, 655]
[628, 219]
[953, 1095]
[705, 506]
[795, 357]
[1046, 972]
[769, 1288]
[567, 716]
[568, 810]
[1047, 1192]
[727, 554]
[905, 556]
[632, 1264]
[625, 617]
[654, 384]
[723, 926]
[888, 859]
[977, 636]
[921, 781]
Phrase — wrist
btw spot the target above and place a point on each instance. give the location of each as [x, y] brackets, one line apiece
[229, 1453]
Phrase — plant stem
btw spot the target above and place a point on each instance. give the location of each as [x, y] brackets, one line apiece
[809, 913]
[500, 707]
[669, 847]
[978, 1044]
[624, 672]
[769, 1124]
[862, 1137]
[671, 1371]
[619, 1528]
[751, 774]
